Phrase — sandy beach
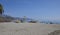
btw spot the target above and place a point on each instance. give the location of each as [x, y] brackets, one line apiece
[27, 28]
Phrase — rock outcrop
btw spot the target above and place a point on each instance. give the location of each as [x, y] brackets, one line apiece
[56, 32]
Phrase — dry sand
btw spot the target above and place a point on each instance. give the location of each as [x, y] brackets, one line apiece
[27, 28]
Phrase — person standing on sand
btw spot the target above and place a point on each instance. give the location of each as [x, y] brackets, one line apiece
[1, 9]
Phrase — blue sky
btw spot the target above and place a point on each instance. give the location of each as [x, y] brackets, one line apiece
[36, 9]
